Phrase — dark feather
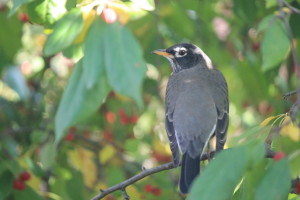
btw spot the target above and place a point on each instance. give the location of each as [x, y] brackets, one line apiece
[189, 170]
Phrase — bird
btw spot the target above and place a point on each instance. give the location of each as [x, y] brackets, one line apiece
[197, 108]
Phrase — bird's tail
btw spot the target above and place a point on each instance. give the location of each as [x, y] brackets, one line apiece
[189, 170]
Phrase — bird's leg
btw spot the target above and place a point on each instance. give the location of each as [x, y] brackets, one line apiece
[208, 152]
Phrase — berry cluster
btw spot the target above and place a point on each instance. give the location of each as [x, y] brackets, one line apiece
[151, 189]
[125, 119]
[19, 183]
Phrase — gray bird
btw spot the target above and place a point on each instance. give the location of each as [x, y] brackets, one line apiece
[196, 108]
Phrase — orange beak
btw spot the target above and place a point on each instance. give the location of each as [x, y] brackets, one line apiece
[162, 52]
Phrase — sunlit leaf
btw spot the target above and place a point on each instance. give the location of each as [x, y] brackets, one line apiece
[106, 153]
[133, 192]
[64, 33]
[83, 160]
[274, 54]
[45, 12]
[267, 120]
[78, 102]
[88, 18]
[48, 155]
[290, 129]
[145, 4]
[121, 9]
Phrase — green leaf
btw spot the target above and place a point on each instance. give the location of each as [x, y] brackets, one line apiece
[45, 11]
[6, 182]
[78, 101]
[28, 194]
[124, 62]
[93, 60]
[74, 51]
[16, 5]
[48, 155]
[271, 3]
[265, 23]
[246, 10]
[16, 81]
[217, 183]
[75, 186]
[276, 182]
[10, 39]
[275, 45]
[65, 32]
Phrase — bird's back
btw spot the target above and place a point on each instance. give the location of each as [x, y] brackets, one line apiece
[191, 105]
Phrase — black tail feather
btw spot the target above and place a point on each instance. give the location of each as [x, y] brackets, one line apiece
[189, 170]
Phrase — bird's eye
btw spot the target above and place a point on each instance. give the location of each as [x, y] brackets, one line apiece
[182, 52]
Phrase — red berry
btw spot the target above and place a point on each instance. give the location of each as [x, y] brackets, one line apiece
[156, 191]
[279, 156]
[24, 176]
[133, 119]
[108, 136]
[124, 118]
[161, 157]
[110, 117]
[148, 188]
[23, 17]
[70, 137]
[3, 7]
[298, 188]
[122, 113]
[19, 185]
[71, 134]
[109, 15]
[256, 47]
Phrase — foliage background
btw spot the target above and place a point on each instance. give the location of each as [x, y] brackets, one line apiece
[82, 99]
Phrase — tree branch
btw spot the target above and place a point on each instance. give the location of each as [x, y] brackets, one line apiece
[143, 174]
[292, 8]
[147, 172]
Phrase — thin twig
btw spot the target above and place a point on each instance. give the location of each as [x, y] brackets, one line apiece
[292, 8]
[133, 179]
[125, 195]
[144, 173]
[148, 172]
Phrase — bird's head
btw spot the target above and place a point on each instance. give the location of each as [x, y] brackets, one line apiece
[184, 56]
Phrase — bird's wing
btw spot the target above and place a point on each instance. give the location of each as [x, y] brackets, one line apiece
[172, 141]
[220, 96]
[169, 120]
[191, 109]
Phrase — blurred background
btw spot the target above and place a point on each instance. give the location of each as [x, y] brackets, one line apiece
[82, 97]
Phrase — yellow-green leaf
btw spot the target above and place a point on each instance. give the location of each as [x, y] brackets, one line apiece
[106, 153]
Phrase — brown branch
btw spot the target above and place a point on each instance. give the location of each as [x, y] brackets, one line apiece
[290, 34]
[144, 173]
[148, 172]
[292, 8]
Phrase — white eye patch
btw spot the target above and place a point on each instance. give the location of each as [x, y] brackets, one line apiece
[180, 52]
